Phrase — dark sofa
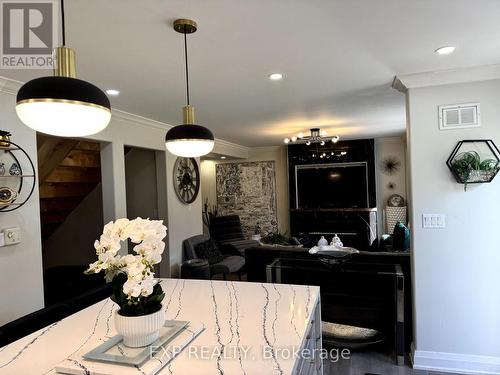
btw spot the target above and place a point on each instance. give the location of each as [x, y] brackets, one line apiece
[228, 233]
[231, 262]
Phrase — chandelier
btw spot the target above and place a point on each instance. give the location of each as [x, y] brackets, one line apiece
[316, 136]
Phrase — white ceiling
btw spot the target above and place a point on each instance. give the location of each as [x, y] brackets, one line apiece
[338, 58]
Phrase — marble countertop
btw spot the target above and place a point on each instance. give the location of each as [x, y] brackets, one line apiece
[241, 319]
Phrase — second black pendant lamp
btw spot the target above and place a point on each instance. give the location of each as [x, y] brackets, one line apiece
[188, 140]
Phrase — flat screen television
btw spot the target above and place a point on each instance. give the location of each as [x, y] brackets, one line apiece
[336, 185]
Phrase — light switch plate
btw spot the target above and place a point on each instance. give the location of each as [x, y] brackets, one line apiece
[433, 221]
[12, 236]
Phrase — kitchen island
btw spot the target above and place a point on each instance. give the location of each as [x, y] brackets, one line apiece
[250, 328]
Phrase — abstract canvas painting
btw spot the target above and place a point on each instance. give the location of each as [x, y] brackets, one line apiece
[248, 190]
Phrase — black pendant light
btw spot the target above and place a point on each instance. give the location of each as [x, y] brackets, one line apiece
[188, 140]
[63, 105]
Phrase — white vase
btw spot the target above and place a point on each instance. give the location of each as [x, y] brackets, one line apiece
[322, 242]
[138, 331]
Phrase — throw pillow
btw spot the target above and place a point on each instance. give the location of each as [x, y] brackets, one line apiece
[210, 251]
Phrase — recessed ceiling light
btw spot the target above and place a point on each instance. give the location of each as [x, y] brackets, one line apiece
[112, 92]
[222, 157]
[275, 76]
[445, 50]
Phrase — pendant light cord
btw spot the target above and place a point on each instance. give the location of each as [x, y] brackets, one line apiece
[187, 70]
[63, 24]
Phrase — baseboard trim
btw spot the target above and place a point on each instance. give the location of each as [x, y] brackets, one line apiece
[455, 363]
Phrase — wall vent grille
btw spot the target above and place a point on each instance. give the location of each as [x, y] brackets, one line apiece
[458, 116]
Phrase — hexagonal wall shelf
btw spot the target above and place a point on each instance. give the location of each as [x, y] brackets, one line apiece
[474, 161]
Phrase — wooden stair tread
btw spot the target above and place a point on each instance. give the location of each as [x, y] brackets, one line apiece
[68, 171]
[59, 204]
[74, 175]
[82, 158]
[54, 216]
[63, 189]
[89, 146]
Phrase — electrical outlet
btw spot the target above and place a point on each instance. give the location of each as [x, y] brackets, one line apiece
[433, 221]
[12, 236]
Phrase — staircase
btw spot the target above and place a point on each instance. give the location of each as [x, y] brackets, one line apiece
[68, 171]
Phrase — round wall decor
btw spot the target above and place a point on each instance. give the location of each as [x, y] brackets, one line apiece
[391, 165]
[17, 175]
[186, 179]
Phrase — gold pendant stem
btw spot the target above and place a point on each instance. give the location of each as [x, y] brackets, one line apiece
[65, 65]
[188, 114]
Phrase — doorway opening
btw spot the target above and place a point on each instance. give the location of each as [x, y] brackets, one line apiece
[71, 214]
[145, 180]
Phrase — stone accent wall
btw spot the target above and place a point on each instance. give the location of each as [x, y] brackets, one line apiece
[249, 191]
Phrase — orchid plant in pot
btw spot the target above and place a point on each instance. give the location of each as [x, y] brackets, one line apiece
[135, 290]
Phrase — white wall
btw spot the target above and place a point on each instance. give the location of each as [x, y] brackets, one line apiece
[185, 220]
[389, 147]
[456, 273]
[278, 155]
[140, 174]
[20, 265]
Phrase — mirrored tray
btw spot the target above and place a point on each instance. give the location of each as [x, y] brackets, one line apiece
[333, 251]
[114, 351]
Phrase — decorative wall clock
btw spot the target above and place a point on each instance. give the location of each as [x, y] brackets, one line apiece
[186, 179]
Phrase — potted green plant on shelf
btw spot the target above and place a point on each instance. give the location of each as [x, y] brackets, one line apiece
[135, 289]
[470, 168]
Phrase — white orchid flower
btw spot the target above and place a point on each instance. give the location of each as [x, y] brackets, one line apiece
[147, 287]
[132, 288]
[148, 236]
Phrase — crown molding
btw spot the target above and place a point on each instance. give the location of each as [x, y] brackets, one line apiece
[446, 77]
[137, 119]
[278, 147]
[231, 144]
[144, 121]
[398, 85]
[11, 87]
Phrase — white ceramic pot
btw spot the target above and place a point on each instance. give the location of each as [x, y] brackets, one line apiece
[138, 331]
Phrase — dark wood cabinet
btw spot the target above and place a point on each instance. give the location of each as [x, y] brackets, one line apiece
[357, 226]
